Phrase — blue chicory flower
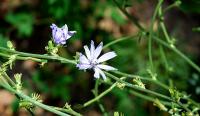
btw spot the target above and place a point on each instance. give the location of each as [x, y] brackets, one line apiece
[92, 60]
[60, 35]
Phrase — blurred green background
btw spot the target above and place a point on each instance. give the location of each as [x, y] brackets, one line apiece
[26, 23]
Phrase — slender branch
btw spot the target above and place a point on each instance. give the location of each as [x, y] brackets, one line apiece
[3, 81]
[175, 4]
[119, 40]
[183, 106]
[70, 111]
[8, 79]
[25, 97]
[150, 35]
[138, 88]
[40, 56]
[178, 52]
[173, 49]
[163, 56]
[162, 25]
[147, 79]
[31, 112]
[100, 95]
[96, 94]
[149, 98]
[23, 58]
[132, 18]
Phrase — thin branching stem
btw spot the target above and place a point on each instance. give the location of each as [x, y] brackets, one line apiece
[96, 92]
[39, 56]
[132, 18]
[100, 95]
[119, 40]
[8, 79]
[173, 48]
[25, 97]
[150, 36]
[69, 110]
[137, 88]
[148, 98]
[23, 58]
[142, 78]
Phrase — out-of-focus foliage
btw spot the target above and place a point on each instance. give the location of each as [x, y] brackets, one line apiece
[23, 22]
[3, 41]
[190, 6]
[98, 20]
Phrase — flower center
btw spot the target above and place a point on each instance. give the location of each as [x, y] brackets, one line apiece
[93, 63]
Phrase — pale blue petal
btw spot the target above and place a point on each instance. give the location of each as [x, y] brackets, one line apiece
[96, 73]
[102, 74]
[106, 67]
[106, 56]
[98, 50]
[92, 48]
[83, 66]
[83, 59]
[87, 52]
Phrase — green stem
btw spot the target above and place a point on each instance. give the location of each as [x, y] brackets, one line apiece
[183, 106]
[25, 97]
[148, 98]
[23, 58]
[147, 79]
[45, 56]
[163, 56]
[132, 18]
[175, 4]
[144, 90]
[69, 110]
[150, 36]
[8, 79]
[31, 112]
[178, 52]
[100, 95]
[3, 81]
[96, 94]
[173, 49]
[119, 40]
[138, 88]
[162, 25]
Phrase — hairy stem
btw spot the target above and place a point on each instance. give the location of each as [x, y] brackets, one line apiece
[138, 88]
[150, 36]
[25, 97]
[119, 40]
[178, 52]
[96, 94]
[142, 78]
[100, 95]
[38, 56]
[132, 18]
[69, 110]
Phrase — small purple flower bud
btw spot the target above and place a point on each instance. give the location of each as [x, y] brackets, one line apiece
[60, 35]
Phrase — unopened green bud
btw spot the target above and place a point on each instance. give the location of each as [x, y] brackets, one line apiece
[159, 105]
[10, 45]
[178, 3]
[67, 106]
[36, 97]
[138, 83]
[121, 85]
[18, 85]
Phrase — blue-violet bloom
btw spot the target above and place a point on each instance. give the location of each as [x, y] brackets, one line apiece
[60, 35]
[92, 60]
